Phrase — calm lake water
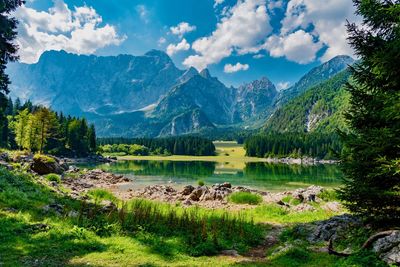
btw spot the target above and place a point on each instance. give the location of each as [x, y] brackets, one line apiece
[257, 175]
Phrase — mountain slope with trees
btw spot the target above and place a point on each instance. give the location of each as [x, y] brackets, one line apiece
[318, 109]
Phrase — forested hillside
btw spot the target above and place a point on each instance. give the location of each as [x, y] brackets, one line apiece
[318, 109]
[39, 129]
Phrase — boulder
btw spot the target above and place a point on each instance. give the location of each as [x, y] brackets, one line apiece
[187, 190]
[308, 194]
[303, 207]
[230, 252]
[108, 206]
[325, 230]
[388, 248]
[198, 192]
[45, 164]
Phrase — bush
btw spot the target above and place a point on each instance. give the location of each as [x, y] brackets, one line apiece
[200, 182]
[245, 198]
[52, 177]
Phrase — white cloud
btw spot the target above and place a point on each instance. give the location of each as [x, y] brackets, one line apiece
[242, 28]
[182, 28]
[182, 46]
[161, 41]
[283, 85]
[218, 2]
[229, 68]
[143, 13]
[258, 56]
[60, 28]
[299, 46]
[327, 20]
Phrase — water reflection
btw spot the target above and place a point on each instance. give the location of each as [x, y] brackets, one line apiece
[264, 176]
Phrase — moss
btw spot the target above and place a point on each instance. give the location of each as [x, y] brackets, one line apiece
[44, 158]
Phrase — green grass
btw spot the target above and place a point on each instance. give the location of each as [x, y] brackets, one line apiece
[142, 232]
[101, 194]
[52, 177]
[245, 198]
[329, 195]
[200, 182]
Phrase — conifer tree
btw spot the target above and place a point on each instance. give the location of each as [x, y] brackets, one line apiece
[371, 163]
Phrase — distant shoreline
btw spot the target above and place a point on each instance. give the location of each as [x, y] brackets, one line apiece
[219, 158]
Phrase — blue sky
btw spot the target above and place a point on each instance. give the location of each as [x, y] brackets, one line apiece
[238, 41]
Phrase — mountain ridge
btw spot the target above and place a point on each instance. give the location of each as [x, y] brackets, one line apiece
[146, 95]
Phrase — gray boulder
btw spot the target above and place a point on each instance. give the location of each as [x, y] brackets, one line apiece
[388, 248]
[45, 164]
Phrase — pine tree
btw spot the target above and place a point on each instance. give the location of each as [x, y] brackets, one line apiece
[371, 163]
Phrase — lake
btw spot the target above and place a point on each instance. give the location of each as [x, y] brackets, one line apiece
[257, 175]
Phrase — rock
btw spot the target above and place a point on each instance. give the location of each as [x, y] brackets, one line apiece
[56, 208]
[187, 202]
[45, 164]
[73, 169]
[327, 229]
[303, 207]
[230, 252]
[187, 190]
[198, 192]
[108, 206]
[6, 165]
[332, 206]
[226, 185]
[388, 248]
[73, 214]
[309, 194]
[4, 157]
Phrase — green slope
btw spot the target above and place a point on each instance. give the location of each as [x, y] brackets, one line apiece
[319, 109]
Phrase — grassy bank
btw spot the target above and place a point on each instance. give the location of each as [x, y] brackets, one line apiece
[139, 233]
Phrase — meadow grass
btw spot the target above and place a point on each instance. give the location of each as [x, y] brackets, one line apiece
[245, 198]
[142, 232]
[52, 177]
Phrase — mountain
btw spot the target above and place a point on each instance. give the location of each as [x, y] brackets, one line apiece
[320, 108]
[76, 84]
[148, 95]
[317, 75]
[253, 99]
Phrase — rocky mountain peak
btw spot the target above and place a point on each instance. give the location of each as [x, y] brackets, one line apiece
[205, 73]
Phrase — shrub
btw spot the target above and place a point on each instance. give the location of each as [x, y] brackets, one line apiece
[52, 177]
[200, 182]
[245, 198]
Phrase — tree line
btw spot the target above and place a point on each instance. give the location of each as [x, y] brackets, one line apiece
[182, 145]
[296, 145]
[39, 129]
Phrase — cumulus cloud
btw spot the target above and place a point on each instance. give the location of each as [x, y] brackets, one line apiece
[182, 46]
[299, 46]
[229, 68]
[60, 28]
[283, 85]
[242, 28]
[327, 21]
[182, 28]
